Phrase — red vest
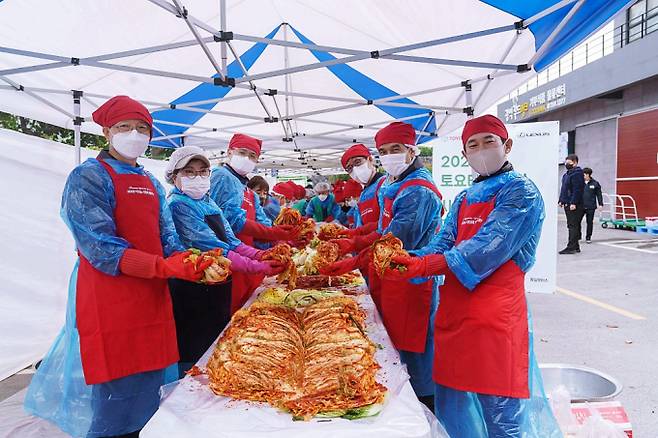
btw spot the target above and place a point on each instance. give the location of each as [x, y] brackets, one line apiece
[405, 307]
[126, 324]
[481, 336]
[244, 284]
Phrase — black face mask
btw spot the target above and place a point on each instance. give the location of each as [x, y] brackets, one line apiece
[569, 166]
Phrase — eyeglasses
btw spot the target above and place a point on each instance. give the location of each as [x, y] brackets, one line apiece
[191, 173]
[356, 162]
[142, 128]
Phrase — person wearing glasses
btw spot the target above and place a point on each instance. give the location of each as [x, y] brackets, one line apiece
[202, 311]
[228, 188]
[410, 208]
[360, 165]
[102, 376]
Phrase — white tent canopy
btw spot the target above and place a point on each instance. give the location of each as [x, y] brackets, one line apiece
[308, 77]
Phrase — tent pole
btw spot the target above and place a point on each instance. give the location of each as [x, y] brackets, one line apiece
[468, 94]
[34, 95]
[222, 27]
[77, 121]
[455, 62]
[296, 45]
[509, 48]
[197, 36]
[247, 78]
[538, 16]
[286, 64]
[555, 32]
[381, 53]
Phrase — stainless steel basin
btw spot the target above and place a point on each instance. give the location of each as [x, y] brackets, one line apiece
[583, 383]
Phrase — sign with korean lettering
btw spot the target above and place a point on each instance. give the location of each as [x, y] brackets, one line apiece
[521, 108]
[534, 153]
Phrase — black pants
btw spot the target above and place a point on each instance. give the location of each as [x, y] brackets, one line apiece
[201, 312]
[589, 218]
[574, 219]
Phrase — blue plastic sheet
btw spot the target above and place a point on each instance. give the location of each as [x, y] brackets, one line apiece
[189, 217]
[87, 208]
[510, 232]
[469, 415]
[59, 394]
[58, 391]
[416, 210]
[227, 190]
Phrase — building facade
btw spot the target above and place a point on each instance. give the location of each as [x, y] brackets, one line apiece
[607, 106]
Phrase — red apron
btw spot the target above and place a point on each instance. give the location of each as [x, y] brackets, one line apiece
[481, 336]
[126, 324]
[405, 307]
[245, 284]
[369, 209]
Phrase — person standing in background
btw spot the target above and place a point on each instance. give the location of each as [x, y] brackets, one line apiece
[571, 198]
[270, 204]
[591, 195]
[323, 207]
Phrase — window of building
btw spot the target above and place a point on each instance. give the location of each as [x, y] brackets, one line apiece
[641, 19]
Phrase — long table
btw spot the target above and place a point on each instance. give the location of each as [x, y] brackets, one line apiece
[188, 408]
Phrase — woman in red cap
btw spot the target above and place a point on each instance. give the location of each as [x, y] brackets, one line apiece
[410, 208]
[242, 208]
[103, 374]
[487, 380]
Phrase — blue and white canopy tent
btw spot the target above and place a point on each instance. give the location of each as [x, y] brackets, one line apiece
[309, 77]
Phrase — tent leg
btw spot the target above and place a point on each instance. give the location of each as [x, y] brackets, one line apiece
[77, 121]
[222, 27]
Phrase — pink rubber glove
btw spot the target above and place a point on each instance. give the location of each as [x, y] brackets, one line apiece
[249, 251]
[248, 266]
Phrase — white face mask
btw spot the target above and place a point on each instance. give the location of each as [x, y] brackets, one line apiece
[131, 144]
[323, 197]
[241, 164]
[352, 202]
[394, 164]
[487, 161]
[196, 187]
[362, 173]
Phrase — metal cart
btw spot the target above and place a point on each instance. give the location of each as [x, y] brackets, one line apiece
[620, 211]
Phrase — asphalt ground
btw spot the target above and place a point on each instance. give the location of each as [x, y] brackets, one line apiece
[604, 316]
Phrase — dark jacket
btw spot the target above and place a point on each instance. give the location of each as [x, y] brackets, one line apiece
[592, 194]
[573, 185]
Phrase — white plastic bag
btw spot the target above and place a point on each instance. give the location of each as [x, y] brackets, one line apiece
[596, 427]
[560, 400]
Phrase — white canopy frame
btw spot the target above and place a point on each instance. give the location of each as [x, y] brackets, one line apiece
[329, 139]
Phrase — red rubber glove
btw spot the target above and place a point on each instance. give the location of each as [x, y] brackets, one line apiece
[361, 242]
[346, 246]
[262, 232]
[275, 267]
[141, 264]
[344, 266]
[433, 264]
[362, 230]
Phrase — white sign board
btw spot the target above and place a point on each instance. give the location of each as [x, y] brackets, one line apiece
[534, 153]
